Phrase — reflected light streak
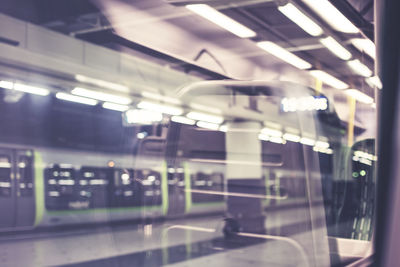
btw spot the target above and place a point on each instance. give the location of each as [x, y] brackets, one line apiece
[210, 192]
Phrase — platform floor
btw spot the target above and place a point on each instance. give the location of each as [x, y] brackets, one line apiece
[180, 242]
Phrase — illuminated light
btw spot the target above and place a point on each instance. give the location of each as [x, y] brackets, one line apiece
[336, 48]
[205, 117]
[205, 108]
[331, 15]
[219, 193]
[76, 99]
[5, 165]
[359, 96]
[207, 125]
[322, 144]
[263, 137]
[101, 83]
[66, 182]
[365, 161]
[223, 128]
[98, 182]
[6, 85]
[183, 120]
[298, 17]
[141, 135]
[221, 20]
[359, 68]
[54, 194]
[363, 173]
[277, 140]
[142, 116]
[329, 79]
[116, 107]
[271, 132]
[31, 89]
[365, 45]
[304, 103]
[111, 164]
[374, 81]
[355, 174]
[160, 108]
[307, 141]
[194, 228]
[167, 99]
[291, 137]
[283, 54]
[101, 96]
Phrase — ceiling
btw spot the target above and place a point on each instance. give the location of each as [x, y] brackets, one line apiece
[167, 32]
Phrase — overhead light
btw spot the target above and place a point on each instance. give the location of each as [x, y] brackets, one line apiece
[221, 20]
[374, 81]
[160, 108]
[277, 140]
[205, 117]
[271, 132]
[291, 137]
[6, 84]
[141, 135]
[359, 96]
[263, 137]
[183, 120]
[223, 128]
[101, 83]
[322, 144]
[329, 79]
[307, 141]
[159, 97]
[284, 55]
[298, 17]
[31, 89]
[309, 103]
[113, 106]
[207, 125]
[359, 68]
[101, 96]
[142, 116]
[365, 45]
[331, 15]
[336, 48]
[76, 99]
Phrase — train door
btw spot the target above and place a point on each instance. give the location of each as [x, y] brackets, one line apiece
[7, 189]
[24, 185]
[17, 203]
[176, 191]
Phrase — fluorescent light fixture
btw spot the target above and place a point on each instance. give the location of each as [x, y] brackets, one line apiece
[291, 137]
[221, 20]
[160, 108]
[263, 137]
[374, 82]
[359, 96]
[6, 84]
[141, 135]
[207, 125]
[284, 55]
[183, 120]
[331, 15]
[307, 141]
[31, 89]
[336, 48]
[76, 99]
[271, 132]
[365, 45]
[359, 68]
[205, 117]
[142, 116]
[277, 140]
[322, 144]
[329, 79]
[298, 17]
[101, 83]
[101, 96]
[304, 103]
[163, 98]
[113, 106]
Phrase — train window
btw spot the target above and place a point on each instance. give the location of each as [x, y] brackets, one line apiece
[139, 133]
